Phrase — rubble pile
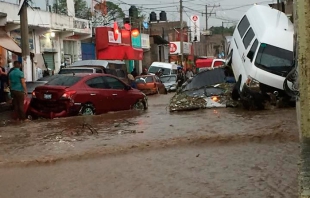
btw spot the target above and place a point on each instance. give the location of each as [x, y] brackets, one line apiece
[183, 102]
[207, 89]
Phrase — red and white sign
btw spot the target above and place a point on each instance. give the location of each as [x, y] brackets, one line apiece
[112, 38]
[173, 48]
[176, 49]
[195, 28]
[195, 18]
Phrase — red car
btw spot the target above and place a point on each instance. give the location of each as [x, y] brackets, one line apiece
[85, 94]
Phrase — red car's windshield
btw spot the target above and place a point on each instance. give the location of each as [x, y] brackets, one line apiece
[65, 81]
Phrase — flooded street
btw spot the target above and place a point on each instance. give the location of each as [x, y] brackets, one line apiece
[207, 153]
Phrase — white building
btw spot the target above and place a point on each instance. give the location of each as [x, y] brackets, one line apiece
[57, 37]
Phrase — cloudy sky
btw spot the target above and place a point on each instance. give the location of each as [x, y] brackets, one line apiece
[224, 10]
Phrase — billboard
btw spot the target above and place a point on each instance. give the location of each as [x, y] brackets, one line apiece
[195, 28]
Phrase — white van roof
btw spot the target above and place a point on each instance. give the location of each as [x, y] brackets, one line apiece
[103, 63]
[165, 65]
[271, 26]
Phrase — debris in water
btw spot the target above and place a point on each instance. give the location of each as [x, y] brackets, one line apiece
[92, 129]
[198, 155]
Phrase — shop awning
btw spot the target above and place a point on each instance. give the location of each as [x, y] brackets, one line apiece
[8, 43]
[133, 53]
[112, 52]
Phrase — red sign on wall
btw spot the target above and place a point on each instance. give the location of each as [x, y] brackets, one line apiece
[173, 47]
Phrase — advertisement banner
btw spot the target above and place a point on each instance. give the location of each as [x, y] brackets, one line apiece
[136, 41]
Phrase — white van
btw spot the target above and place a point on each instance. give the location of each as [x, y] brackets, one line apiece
[261, 55]
[169, 68]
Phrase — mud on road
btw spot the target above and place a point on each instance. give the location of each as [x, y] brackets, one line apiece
[206, 153]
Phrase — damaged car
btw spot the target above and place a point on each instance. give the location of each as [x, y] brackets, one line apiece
[85, 94]
[209, 88]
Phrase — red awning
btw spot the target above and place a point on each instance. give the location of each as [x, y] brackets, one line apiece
[133, 53]
[207, 62]
[112, 52]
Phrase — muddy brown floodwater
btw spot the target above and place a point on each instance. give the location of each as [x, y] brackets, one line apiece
[207, 153]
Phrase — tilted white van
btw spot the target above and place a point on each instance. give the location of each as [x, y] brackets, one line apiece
[261, 55]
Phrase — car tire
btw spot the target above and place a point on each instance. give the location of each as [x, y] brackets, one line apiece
[87, 109]
[140, 105]
[235, 95]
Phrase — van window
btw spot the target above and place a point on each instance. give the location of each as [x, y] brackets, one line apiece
[273, 59]
[154, 69]
[243, 26]
[253, 50]
[248, 38]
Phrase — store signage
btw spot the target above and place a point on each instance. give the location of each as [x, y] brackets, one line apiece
[145, 41]
[176, 49]
[111, 38]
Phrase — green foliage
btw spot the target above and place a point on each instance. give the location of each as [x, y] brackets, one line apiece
[114, 13]
[80, 6]
[225, 30]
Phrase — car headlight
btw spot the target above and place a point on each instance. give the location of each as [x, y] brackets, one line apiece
[251, 82]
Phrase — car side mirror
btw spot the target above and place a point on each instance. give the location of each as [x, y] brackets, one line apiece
[127, 88]
[250, 56]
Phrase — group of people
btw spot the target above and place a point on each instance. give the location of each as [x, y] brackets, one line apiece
[13, 85]
[183, 76]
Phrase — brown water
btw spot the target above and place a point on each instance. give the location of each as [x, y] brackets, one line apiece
[206, 153]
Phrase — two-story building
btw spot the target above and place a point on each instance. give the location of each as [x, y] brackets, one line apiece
[53, 38]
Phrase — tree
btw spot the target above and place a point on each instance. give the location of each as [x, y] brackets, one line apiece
[114, 13]
[218, 30]
[80, 6]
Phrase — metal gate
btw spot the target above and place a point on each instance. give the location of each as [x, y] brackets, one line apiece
[88, 51]
[49, 60]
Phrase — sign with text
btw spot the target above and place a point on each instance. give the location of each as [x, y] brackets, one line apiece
[195, 28]
[111, 38]
[176, 49]
[145, 41]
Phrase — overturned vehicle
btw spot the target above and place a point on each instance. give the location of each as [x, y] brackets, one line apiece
[209, 88]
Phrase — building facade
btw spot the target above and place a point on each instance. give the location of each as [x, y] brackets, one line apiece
[53, 38]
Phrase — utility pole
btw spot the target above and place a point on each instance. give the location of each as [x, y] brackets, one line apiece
[278, 4]
[181, 32]
[303, 106]
[24, 33]
[209, 14]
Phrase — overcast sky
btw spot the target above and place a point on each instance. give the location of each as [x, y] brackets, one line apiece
[224, 10]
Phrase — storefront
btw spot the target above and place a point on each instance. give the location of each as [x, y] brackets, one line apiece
[175, 54]
[49, 45]
[115, 45]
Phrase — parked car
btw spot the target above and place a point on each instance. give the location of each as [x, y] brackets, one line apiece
[113, 67]
[170, 82]
[30, 88]
[150, 84]
[259, 57]
[86, 70]
[85, 94]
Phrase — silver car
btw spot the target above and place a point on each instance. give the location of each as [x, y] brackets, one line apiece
[170, 82]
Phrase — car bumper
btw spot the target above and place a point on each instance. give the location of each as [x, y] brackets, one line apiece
[68, 109]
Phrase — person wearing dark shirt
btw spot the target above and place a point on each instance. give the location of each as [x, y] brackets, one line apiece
[134, 72]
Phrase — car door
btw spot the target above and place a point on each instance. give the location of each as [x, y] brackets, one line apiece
[99, 95]
[121, 98]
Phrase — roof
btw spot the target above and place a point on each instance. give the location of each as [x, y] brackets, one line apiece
[96, 62]
[269, 23]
